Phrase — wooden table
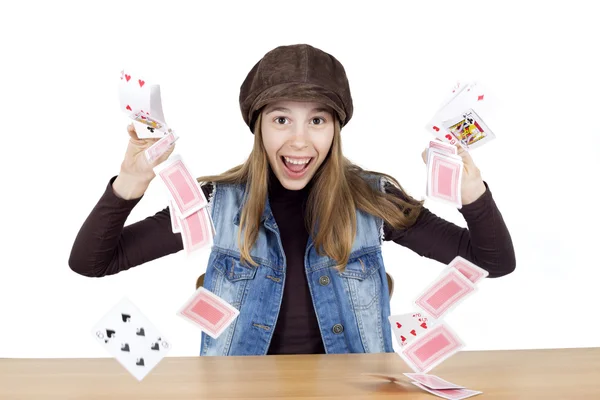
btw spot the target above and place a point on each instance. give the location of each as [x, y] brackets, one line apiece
[520, 374]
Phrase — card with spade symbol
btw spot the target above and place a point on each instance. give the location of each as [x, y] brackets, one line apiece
[409, 326]
[131, 338]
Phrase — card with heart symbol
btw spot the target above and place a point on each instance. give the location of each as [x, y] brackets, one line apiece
[131, 338]
[141, 101]
[409, 326]
[461, 118]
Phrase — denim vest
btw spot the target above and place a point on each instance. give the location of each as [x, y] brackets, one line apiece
[352, 307]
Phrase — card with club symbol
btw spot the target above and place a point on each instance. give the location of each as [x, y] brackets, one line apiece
[131, 338]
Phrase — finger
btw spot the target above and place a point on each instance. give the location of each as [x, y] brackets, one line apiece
[424, 156]
[132, 133]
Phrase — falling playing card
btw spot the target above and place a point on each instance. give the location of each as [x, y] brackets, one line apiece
[431, 349]
[471, 271]
[407, 327]
[196, 230]
[183, 188]
[160, 147]
[444, 177]
[432, 381]
[208, 311]
[130, 337]
[446, 292]
[175, 224]
[450, 394]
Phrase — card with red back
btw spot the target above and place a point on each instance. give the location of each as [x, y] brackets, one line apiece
[209, 312]
[196, 231]
[431, 349]
[471, 271]
[444, 177]
[432, 381]
[160, 147]
[183, 188]
[407, 327]
[443, 147]
[175, 224]
[446, 292]
[450, 394]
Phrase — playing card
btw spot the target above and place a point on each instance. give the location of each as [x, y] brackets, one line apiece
[456, 90]
[160, 147]
[431, 349]
[471, 271]
[450, 394]
[469, 129]
[209, 312]
[432, 381]
[196, 230]
[129, 336]
[134, 93]
[461, 119]
[183, 188]
[443, 147]
[407, 327]
[140, 98]
[444, 177]
[446, 292]
[175, 224]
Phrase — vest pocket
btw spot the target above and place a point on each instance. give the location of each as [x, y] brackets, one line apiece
[231, 279]
[362, 280]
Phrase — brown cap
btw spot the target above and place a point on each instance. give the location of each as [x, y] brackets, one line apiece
[296, 73]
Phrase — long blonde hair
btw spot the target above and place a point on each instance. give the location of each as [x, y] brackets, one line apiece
[338, 189]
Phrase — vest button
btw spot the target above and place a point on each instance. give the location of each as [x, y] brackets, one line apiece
[324, 280]
[338, 328]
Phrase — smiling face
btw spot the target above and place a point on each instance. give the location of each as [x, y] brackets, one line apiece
[297, 137]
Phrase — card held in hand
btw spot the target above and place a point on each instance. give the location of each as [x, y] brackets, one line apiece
[444, 177]
[209, 312]
[131, 339]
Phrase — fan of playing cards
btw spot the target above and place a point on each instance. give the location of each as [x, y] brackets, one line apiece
[458, 121]
[124, 331]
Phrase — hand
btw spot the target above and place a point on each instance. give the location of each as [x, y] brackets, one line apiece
[472, 186]
[135, 164]
[136, 172]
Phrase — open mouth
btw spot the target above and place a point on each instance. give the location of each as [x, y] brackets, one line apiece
[296, 167]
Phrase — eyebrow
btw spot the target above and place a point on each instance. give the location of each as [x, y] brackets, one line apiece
[283, 109]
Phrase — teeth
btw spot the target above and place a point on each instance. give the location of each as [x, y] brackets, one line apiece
[291, 161]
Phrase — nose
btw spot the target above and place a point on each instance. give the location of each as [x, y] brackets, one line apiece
[299, 139]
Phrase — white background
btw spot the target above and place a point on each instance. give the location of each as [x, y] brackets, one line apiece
[64, 138]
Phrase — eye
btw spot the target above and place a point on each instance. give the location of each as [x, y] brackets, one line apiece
[279, 120]
[321, 119]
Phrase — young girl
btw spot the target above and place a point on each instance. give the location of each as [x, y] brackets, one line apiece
[299, 228]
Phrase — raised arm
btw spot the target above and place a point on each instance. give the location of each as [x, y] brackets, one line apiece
[486, 241]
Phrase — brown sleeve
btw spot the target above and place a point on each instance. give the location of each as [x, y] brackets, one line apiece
[104, 246]
[485, 242]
